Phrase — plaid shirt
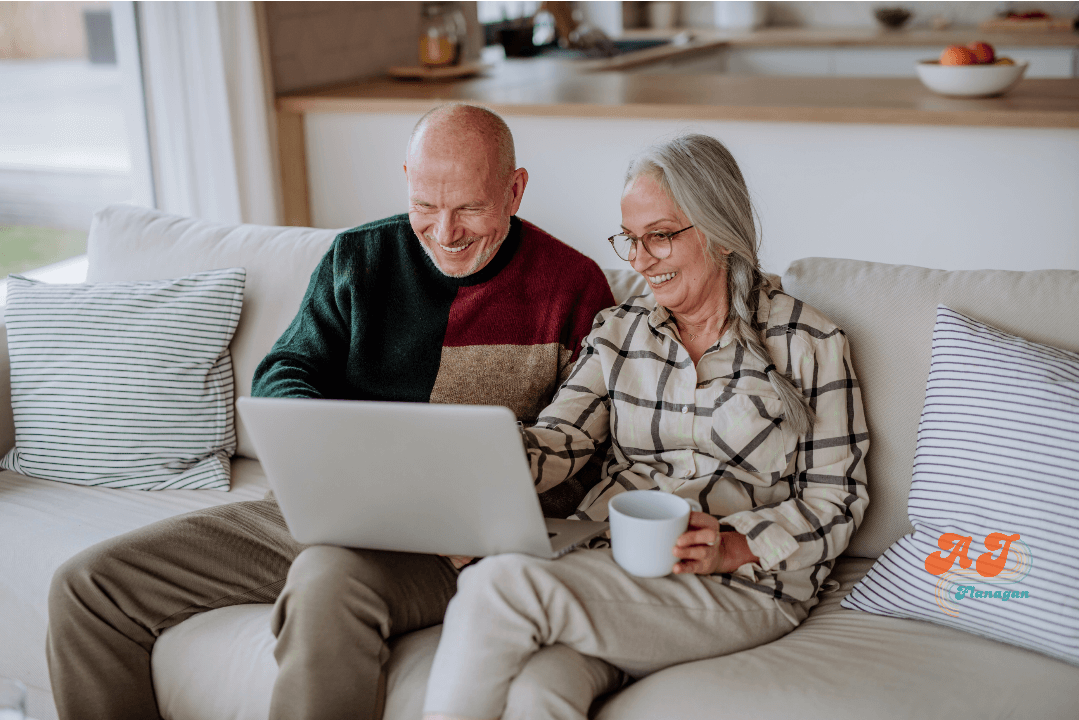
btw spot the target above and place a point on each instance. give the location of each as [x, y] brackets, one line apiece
[713, 434]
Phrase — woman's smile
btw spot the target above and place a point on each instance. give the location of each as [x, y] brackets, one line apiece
[657, 280]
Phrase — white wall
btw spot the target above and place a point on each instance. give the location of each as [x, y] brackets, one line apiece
[951, 198]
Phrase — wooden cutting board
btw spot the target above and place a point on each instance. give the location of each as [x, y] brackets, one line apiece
[1027, 25]
[448, 72]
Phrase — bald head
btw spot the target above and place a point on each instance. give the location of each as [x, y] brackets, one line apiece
[464, 128]
[463, 186]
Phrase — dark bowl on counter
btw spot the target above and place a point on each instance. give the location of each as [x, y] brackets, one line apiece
[892, 18]
[518, 41]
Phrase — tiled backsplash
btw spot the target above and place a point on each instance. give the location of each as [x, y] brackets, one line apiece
[323, 43]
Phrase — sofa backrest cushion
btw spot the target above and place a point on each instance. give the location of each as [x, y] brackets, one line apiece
[134, 243]
[888, 312]
[626, 283]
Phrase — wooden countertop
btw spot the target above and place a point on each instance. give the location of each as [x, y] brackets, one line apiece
[557, 88]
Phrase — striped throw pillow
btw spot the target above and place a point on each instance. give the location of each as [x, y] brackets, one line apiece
[124, 384]
[995, 495]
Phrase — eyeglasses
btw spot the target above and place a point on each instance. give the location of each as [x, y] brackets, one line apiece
[657, 244]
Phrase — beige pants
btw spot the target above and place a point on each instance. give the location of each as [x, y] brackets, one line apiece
[511, 611]
[335, 610]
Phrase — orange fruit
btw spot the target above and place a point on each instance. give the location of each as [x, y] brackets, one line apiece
[958, 55]
[983, 51]
[1004, 61]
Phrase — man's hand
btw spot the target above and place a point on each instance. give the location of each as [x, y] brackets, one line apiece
[459, 561]
[703, 549]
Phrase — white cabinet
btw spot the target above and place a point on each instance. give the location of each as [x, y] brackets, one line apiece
[933, 196]
[881, 62]
[1045, 62]
[781, 61]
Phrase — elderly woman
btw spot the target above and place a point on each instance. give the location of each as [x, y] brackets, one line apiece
[716, 387]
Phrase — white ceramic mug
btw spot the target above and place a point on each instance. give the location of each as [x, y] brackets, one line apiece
[645, 524]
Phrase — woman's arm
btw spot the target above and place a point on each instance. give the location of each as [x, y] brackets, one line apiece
[829, 483]
[578, 419]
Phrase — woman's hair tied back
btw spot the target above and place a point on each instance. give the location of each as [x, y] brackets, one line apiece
[703, 179]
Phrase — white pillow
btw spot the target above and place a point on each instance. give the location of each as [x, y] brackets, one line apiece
[998, 452]
[124, 384]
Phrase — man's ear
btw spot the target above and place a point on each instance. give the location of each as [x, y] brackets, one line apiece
[517, 189]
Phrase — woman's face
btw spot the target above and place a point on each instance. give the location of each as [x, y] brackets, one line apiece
[687, 281]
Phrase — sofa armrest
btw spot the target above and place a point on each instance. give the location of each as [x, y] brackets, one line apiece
[7, 417]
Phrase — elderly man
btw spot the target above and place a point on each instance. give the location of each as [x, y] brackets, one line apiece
[459, 301]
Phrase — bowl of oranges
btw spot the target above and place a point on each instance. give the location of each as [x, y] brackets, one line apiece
[970, 71]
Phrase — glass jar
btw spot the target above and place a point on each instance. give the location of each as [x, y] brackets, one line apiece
[442, 33]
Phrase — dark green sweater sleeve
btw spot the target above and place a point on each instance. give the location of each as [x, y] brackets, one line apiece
[308, 360]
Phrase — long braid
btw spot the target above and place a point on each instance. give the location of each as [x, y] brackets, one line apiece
[744, 283]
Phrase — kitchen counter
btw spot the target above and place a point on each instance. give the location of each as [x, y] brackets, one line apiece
[558, 87]
[879, 169]
[557, 94]
[690, 42]
[866, 37]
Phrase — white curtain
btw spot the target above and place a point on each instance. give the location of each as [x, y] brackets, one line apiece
[208, 111]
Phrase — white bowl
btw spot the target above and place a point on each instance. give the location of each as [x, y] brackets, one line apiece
[969, 80]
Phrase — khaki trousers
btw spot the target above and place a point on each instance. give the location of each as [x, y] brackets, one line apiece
[511, 611]
[335, 610]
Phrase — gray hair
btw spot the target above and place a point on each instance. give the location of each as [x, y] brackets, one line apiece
[701, 176]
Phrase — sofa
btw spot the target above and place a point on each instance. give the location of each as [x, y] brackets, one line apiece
[838, 664]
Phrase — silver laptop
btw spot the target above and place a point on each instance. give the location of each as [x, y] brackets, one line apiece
[413, 477]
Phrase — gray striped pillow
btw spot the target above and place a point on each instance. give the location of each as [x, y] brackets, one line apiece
[997, 457]
[124, 384]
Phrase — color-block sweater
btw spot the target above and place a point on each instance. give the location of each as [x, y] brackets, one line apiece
[379, 321]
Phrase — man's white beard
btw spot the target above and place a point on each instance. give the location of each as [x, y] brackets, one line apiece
[481, 260]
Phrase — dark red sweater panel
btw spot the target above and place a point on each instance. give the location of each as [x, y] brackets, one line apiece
[548, 293]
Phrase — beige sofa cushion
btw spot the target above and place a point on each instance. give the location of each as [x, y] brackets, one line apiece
[134, 243]
[626, 283]
[888, 312]
[847, 665]
[838, 664]
[43, 523]
[239, 682]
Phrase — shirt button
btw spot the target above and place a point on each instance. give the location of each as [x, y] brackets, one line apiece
[685, 409]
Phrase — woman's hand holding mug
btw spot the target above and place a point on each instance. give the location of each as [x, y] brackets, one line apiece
[702, 549]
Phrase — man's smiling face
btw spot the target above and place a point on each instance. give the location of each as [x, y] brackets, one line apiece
[460, 199]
